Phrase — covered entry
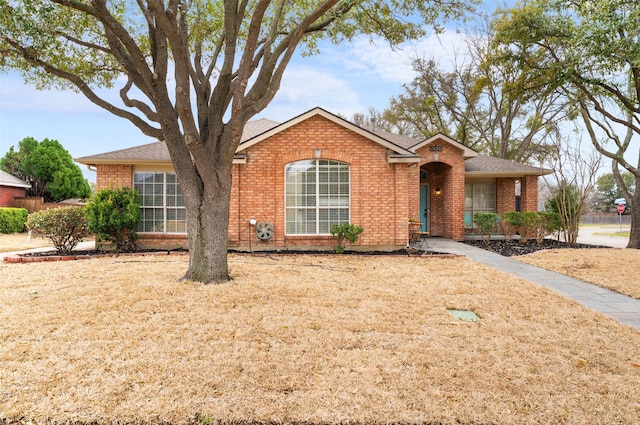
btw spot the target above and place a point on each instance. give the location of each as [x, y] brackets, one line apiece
[438, 199]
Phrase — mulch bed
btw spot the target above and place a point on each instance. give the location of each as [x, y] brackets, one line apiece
[516, 247]
[88, 254]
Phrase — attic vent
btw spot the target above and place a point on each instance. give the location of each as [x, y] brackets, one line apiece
[264, 230]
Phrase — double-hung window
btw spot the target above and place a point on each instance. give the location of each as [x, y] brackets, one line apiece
[478, 197]
[316, 196]
[161, 203]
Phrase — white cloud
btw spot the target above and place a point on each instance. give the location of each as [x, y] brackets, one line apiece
[305, 87]
[378, 59]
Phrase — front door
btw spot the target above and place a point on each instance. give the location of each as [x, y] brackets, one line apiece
[424, 207]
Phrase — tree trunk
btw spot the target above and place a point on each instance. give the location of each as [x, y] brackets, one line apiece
[208, 228]
[634, 236]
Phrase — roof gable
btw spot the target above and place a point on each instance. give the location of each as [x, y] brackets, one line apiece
[373, 136]
[466, 152]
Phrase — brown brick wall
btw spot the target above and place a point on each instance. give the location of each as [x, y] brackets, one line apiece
[529, 193]
[505, 195]
[114, 175]
[374, 199]
[7, 194]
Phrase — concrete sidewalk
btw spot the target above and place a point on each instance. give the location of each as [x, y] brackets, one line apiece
[621, 307]
[82, 246]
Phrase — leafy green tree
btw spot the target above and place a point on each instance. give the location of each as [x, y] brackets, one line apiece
[12, 161]
[193, 73]
[49, 168]
[607, 191]
[589, 51]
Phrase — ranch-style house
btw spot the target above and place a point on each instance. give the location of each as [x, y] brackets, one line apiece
[292, 181]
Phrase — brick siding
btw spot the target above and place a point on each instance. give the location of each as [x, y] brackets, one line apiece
[383, 195]
[114, 175]
[445, 171]
[7, 193]
[375, 187]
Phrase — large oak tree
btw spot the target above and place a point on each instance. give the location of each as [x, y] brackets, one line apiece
[192, 73]
[588, 50]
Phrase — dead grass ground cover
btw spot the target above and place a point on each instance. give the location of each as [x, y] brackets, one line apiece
[21, 241]
[617, 269]
[316, 339]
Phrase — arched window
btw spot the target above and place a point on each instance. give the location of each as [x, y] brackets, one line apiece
[316, 196]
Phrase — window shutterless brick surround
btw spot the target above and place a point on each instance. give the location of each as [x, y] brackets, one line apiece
[384, 195]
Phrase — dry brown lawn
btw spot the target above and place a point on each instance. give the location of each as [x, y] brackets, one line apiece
[21, 241]
[617, 269]
[313, 339]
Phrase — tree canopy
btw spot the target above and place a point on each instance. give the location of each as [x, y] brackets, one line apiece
[192, 73]
[474, 100]
[589, 51]
[49, 168]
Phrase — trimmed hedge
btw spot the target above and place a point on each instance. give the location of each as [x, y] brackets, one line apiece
[12, 220]
[66, 227]
[529, 225]
[486, 224]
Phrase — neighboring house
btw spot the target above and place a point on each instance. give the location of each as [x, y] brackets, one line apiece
[297, 178]
[11, 187]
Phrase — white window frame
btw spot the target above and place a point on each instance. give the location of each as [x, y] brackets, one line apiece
[317, 207]
[162, 225]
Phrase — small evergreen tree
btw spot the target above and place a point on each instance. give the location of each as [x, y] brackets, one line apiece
[48, 166]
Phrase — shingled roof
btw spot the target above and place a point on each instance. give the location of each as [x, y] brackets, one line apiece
[497, 167]
[9, 180]
[158, 152]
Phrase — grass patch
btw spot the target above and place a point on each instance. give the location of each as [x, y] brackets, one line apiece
[21, 241]
[616, 269]
[311, 339]
[614, 234]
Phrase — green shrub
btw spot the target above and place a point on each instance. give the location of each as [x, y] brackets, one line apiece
[510, 223]
[486, 224]
[12, 220]
[113, 215]
[550, 223]
[65, 227]
[531, 223]
[345, 231]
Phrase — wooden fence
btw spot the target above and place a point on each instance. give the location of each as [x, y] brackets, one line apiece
[33, 204]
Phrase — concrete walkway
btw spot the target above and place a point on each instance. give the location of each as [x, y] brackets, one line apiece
[621, 307]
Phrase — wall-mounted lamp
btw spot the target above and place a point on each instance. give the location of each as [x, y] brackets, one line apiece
[318, 153]
[438, 191]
